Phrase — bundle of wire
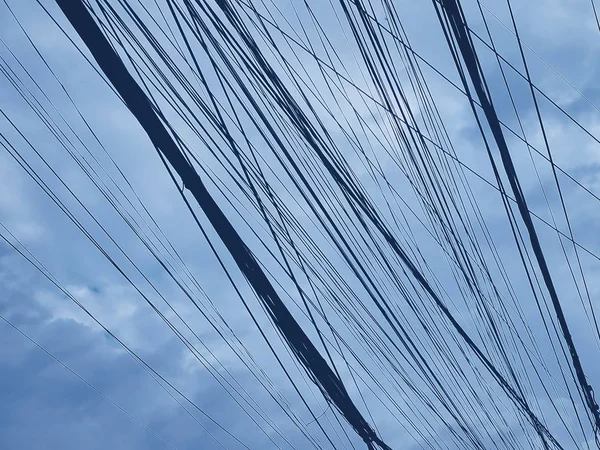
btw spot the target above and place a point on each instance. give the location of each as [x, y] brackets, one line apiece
[319, 171]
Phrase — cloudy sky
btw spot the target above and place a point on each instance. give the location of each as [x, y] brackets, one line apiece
[79, 388]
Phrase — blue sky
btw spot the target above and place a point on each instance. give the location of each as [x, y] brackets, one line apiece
[46, 406]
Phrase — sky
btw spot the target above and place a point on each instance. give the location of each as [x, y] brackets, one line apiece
[78, 388]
